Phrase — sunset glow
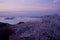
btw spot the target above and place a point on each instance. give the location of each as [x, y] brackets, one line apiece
[31, 5]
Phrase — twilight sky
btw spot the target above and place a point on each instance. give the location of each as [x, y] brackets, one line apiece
[28, 5]
[24, 5]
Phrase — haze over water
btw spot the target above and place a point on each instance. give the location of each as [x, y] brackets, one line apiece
[17, 19]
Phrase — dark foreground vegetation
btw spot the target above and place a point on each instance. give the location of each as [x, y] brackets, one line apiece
[48, 28]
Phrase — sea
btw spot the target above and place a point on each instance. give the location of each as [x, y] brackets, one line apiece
[15, 20]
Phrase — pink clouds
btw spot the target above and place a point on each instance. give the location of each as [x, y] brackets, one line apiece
[32, 8]
[26, 8]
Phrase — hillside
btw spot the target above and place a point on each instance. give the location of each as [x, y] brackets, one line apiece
[48, 28]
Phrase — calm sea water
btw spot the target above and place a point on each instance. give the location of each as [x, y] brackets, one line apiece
[17, 20]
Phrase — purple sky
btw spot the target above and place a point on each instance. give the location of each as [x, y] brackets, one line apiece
[8, 6]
